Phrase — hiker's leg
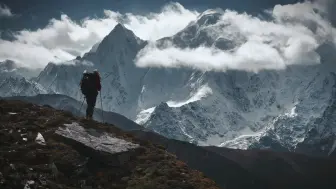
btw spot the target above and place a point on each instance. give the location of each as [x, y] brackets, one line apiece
[94, 99]
[90, 106]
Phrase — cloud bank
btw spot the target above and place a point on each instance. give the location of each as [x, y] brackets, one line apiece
[291, 36]
[64, 39]
[5, 11]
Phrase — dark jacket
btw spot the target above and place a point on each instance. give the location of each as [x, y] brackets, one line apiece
[92, 85]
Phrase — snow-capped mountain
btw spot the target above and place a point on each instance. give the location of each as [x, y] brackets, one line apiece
[321, 137]
[9, 68]
[201, 32]
[16, 80]
[12, 86]
[238, 109]
[113, 57]
[241, 109]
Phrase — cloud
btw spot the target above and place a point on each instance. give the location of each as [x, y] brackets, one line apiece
[30, 55]
[5, 11]
[292, 36]
[64, 39]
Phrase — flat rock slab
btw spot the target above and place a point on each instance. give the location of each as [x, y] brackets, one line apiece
[97, 140]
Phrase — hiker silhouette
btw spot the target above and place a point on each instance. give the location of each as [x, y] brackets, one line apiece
[90, 86]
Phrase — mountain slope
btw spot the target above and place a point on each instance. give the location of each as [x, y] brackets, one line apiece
[9, 68]
[270, 109]
[62, 102]
[16, 80]
[321, 137]
[13, 86]
[42, 147]
[227, 167]
[290, 170]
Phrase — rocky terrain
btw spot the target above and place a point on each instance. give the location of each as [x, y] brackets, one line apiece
[44, 148]
[72, 155]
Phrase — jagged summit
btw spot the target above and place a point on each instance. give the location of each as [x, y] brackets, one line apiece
[120, 31]
[119, 36]
[209, 17]
[8, 65]
[163, 106]
[10, 68]
[206, 30]
[119, 28]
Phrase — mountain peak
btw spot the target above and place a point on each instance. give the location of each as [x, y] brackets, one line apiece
[209, 17]
[8, 65]
[119, 27]
[163, 106]
[120, 31]
[120, 36]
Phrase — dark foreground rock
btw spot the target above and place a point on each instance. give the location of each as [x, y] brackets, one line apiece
[44, 148]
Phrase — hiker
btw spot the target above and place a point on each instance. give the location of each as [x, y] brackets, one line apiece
[90, 86]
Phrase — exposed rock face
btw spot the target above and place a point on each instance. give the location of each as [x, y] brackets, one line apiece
[100, 141]
[93, 142]
[77, 153]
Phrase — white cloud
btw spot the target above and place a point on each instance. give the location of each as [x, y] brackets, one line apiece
[34, 55]
[291, 37]
[5, 11]
[63, 39]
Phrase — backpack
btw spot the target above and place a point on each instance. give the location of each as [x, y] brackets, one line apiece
[89, 83]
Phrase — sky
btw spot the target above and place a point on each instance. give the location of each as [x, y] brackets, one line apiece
[42, 31]
[34, 14]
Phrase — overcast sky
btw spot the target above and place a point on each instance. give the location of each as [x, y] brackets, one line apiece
[37, 13]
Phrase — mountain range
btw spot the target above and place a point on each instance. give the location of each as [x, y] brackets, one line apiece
[284, 110]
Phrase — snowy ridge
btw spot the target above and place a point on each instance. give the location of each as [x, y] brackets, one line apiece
[243, 113]
[9, 68]
[16, 80]
[20, 87]
[321, 135]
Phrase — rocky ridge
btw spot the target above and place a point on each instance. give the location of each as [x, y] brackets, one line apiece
[45, 148]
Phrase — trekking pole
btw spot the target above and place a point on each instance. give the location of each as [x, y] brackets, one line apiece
[81, 106]
[101, 103]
